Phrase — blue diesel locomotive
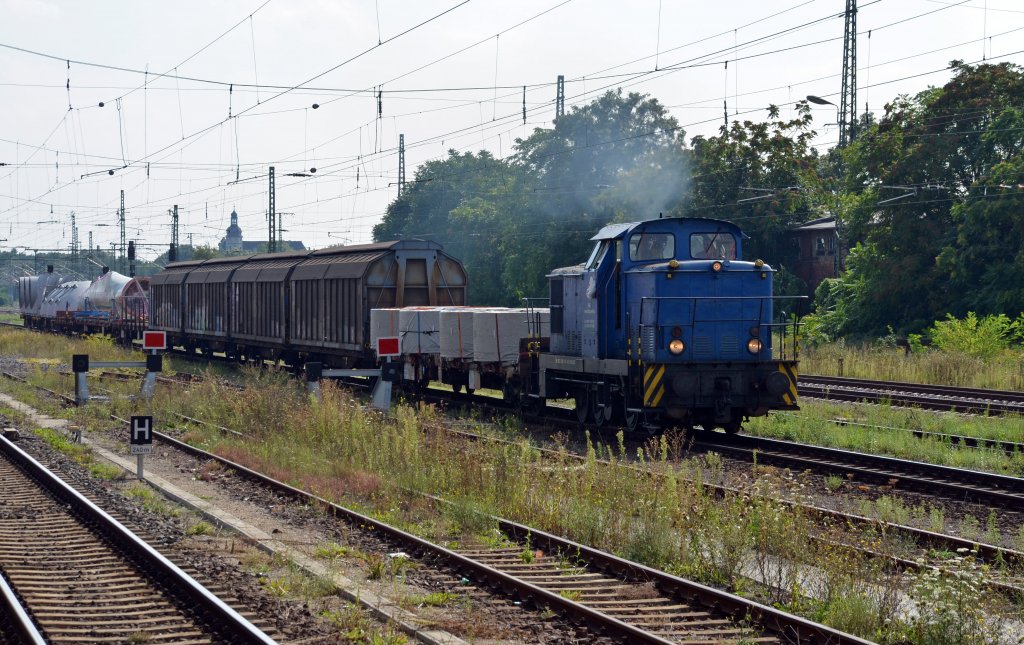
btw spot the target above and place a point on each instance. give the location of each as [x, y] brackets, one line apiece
[665, 325]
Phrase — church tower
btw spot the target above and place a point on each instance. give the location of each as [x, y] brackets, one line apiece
[232, 242]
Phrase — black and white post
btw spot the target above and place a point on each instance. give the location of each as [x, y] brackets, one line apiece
[141, 440]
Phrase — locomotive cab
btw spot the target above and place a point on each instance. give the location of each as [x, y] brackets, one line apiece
[685, 328]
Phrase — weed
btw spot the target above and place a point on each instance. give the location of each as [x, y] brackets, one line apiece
[138, 637]
[331, 551]
[101, 470]
[276, 586]
[200, 528]
[833, 483]
[436, 599]
[77, 452]
[970, 528]
[936, 520]
[574, 595]
[951, 609]
[150, 501]
[992, 535]
[376, 567]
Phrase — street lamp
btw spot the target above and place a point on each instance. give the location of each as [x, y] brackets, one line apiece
[817, 100]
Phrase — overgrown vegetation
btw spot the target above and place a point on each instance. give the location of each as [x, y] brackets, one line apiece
[339, 451]
[985, 352]
[885, 430]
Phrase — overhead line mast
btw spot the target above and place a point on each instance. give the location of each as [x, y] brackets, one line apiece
[560, 97]
[271, 216]
[401, 164]
[848, 102]
[121, 222]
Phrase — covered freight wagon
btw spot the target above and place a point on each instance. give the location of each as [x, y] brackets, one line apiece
[299, 306]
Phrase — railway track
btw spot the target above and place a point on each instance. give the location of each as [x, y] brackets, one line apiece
[83, 577]
[1009, 585]
[928, 397]
[953, 483]
[610, 595]
[945, 481]
[1009, 447]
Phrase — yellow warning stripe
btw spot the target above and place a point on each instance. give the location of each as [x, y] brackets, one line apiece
[654, 388]
[789, 369]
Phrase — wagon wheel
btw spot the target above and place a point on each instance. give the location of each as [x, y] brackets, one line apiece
[733, 427]
[600, 412]
[634, 420]
[582, 399]
[531, 406]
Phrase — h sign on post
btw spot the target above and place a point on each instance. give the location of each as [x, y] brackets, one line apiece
[141, 439]
[154, 340]
[142, 435]
[388, 346]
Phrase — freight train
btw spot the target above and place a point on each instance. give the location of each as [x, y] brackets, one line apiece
[663, 325]
[112, 304]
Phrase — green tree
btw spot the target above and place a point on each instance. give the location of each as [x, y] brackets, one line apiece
[619, 158]
[764, 177]
[468, 202]
[917, 181]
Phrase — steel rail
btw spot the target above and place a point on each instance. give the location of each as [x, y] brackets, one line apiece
[221, 618]
[25, 629]
[780, 622]
[984, 443]
[946, 402]
[986, 552]
[989, 553]
[921, 388]
[956, 483]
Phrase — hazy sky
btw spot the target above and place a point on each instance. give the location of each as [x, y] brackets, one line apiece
[451, 74]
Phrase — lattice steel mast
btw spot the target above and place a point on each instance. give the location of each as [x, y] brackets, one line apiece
[848, 103]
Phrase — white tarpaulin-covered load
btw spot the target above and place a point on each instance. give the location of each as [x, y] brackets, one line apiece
[419, 328]
[457, 333]
[383, 324]
[497, 332]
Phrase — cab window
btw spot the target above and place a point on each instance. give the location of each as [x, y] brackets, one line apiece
[597, 255]
[652, 246]
[712, 246]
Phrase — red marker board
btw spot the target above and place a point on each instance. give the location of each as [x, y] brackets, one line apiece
[154, 340]
[388, 346]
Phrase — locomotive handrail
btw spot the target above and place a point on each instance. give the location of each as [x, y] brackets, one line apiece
[532, 319]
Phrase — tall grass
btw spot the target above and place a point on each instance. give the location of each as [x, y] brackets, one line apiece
[813, 426]
[340, 451]
[34, 345]
[1004, 371]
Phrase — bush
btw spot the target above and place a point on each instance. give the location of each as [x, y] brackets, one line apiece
[981, 337]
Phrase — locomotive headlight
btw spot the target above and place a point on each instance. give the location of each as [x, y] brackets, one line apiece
[759, 263]
[676, 346]
[716, 266]
[754, 345]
